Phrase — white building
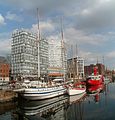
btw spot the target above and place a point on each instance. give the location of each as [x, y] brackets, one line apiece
[75, 67]
[24, 54]
[44, 60]
[57, 60]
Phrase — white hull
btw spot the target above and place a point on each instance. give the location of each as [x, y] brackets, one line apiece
[72, 91]
[76, 98]
[42, 93]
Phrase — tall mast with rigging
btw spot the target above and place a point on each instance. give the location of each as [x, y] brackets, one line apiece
[73, 63]
[38, 41]
[77, 64]
[63, 50]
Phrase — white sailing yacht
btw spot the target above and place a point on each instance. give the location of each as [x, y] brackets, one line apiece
[42, 92]
[48, 91]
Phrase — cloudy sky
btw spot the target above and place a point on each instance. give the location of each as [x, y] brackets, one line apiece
[88, 23]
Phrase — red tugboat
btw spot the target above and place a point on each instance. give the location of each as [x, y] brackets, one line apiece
[95, 78]
[95, 89]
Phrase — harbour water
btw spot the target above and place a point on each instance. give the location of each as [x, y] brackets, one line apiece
[97, 104]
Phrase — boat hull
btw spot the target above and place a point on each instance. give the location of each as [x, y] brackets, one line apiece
[43, 93]
[76, 98]
[94, 82]
[72, 91]
[95, 89]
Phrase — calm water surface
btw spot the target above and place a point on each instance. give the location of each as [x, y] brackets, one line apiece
[97, 104]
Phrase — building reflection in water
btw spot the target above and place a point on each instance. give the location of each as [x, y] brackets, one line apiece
[75, 109]
[78, 107]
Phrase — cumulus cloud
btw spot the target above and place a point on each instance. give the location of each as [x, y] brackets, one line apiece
[12, 16]
[43, 5]
[5, 44]
[5, 47]
[111, 54]
[97, 16]
[89, 23]
[86, 15]
[81, 37]
[46, 27]
[2, 20]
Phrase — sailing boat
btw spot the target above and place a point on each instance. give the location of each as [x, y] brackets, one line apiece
[77, 87]
[46, 92]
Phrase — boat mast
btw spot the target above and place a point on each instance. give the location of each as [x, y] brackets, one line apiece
[62, 50]
[103, 66]
[38, 41]
[73, 64]
[77, 69]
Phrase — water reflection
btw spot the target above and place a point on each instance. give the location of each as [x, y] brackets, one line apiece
[75, 110]
[58, 108]
[77, 98]
[97, 100]
[94, 91]
[7, 110]
[6, 107]
[47, 109]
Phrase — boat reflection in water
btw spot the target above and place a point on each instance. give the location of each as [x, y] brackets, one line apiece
[6, 107]
[75, 109]
[76, 98]
[55, 108]
[95, 91]
[45, 108]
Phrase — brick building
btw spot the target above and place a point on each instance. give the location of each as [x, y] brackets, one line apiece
[88, 70]
[4, 72]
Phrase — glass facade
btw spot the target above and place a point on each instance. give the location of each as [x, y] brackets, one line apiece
[57, 59]
[44, 60]
[24, 54]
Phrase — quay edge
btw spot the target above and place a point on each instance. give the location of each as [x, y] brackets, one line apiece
[7, 95]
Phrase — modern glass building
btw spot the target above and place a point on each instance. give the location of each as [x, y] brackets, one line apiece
[57, 59]
[24, 54]
[44, 60]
